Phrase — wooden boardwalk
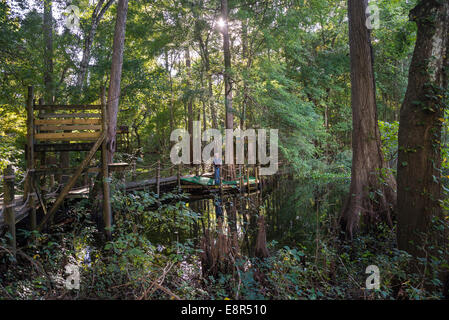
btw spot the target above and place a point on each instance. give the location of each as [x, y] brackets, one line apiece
[166, 184]
[71, 128]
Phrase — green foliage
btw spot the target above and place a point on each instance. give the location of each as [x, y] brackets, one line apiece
[12, 139]
[294, 75]
[125, 267]
[290, 71]
[393, 45]
[298, 124]
[313, 266]
[389, 137]
[338, 272]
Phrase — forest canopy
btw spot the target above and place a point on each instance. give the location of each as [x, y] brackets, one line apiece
[357, 91]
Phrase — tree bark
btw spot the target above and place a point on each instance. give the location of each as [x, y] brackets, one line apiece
[368, 164]
[213, 111]
[229, 123]
[97, 15]
[168, 70]
[189, 103]
[48, 51]
[204, 49]
[116, 75]
[245, 57]
[49, 84]
[419, 187]
[229, 112]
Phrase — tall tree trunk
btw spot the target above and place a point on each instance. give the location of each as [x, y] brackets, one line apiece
[245, 57]
[204, 49]
[213, 111]
[229, 122]
[203, 102]
[368, 165]
[49, 84]
[116, 75]
[229, 112]
[189, 102]
[168, 70]
[48, 52]
[419, 161]
[97, 15]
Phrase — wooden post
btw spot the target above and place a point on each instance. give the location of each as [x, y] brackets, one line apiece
[221, 186]
[8, 203]
[30, 143]
[241, 179]
[128, 149]
[241, 193]
[243, 206]
[179, 177]
[86, 180]
[52, 181]
[220, 219]
[257, 175]
[133, 173]
[43, 164]
[256, 169]
[107, 212]
[247, 180]
[33, 217]
[43, 154]
[158, 177]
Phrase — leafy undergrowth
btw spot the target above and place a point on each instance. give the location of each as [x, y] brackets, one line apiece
[144, 261]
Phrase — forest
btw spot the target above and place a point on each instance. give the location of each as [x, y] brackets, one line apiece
[224, 150]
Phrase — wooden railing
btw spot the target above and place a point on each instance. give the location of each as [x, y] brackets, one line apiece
[14, 207]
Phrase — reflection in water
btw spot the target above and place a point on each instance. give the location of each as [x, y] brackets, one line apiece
[295, 210]
[295, 207]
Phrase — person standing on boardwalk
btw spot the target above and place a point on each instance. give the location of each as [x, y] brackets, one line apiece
[217, 166]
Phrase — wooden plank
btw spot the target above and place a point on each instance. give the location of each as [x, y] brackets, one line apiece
[10, 216]
[17, 199]
[193, 186]
[68, 107]
[70, 127]
[30, 141]
[136, 185]
[67, 121]
[58, 147]
[118, 167]
[33, 216]
[68, 136]
[47, 171]
[72, 181]
[69, 115]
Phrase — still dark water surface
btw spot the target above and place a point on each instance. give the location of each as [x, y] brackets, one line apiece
[295, 211]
